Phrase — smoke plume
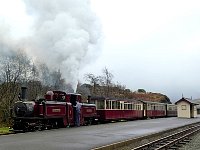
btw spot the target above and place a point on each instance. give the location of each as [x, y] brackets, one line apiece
[63, 34]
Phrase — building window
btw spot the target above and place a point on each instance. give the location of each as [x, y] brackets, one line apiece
[183, 107]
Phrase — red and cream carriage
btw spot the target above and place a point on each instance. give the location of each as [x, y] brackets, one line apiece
[154, 109]
[116, 109]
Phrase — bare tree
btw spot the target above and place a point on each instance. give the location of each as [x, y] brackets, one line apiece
[94, 80]
[44, 74]
[107, 78]
[14, 69]
[103, 85]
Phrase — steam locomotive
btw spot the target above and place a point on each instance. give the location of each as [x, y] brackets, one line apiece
[58, 109]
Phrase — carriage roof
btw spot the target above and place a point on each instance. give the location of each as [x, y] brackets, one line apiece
[101, 98]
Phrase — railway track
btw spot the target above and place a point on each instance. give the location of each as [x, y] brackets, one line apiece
[170, 139]
[171, 142]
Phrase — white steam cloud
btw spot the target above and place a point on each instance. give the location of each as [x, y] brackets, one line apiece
[63, 34]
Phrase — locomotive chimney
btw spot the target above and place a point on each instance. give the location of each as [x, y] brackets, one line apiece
[23, 93]
[89, 99]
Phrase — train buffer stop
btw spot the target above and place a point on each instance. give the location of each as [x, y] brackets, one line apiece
[186, 108]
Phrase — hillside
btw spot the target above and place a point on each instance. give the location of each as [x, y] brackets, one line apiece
[119, 92]
[149, 96]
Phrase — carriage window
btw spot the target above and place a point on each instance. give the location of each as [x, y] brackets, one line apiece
[114, 105]
[118, 105]
[125, 106]
[134, 106]
[121, 106]
[149, 106]
[158, 107]
[130, 106]
[100, 105]
[139, 107]
[173, 108]
[108, 104]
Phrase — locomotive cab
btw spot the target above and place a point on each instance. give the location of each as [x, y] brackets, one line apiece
[56, 96]
[63, 97]
[72, 97]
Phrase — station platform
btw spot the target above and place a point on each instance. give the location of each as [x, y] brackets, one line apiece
[89, 137]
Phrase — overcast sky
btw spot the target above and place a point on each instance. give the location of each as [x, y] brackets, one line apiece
[149, 44]
[154, 45]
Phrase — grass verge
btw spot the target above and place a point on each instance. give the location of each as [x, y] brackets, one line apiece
[4, 130]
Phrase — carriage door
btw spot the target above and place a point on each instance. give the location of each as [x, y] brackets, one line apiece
[122, 109]
[144, 109]
[70, 114]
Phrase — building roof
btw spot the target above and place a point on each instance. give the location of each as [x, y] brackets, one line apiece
[196, 101]
[187, 100]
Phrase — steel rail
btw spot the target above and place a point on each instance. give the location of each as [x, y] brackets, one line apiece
[164, 142]
[178, 140]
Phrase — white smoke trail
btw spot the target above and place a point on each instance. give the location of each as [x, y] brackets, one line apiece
[64, 31]
[63, 34]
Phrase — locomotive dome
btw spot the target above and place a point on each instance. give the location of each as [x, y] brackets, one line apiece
[49, 93]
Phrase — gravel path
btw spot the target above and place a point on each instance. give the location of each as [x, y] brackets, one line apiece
[194, 144]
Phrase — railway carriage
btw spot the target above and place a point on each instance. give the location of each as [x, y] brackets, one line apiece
[154, 109]
[112, 109]
[171, 110]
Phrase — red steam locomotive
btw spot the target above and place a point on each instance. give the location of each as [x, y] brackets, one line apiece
[59, 109]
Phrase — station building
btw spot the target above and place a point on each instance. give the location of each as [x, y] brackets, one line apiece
[186, 108]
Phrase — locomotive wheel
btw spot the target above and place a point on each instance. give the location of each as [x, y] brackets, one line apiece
[68, 125]
[90, 122]
[54, 125]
